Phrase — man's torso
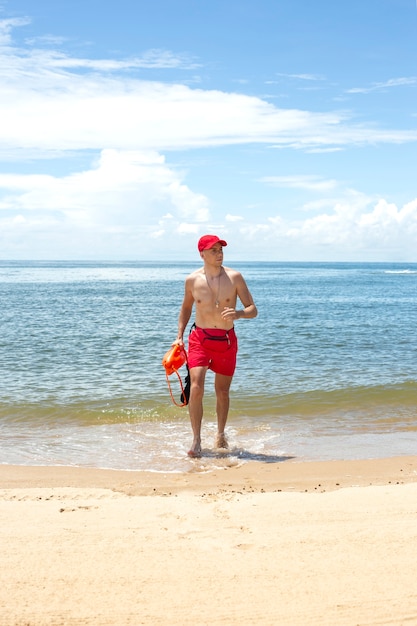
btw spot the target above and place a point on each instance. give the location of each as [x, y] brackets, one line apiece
[210, 298]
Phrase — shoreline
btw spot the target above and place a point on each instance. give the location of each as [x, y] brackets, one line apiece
[253, 476]
[317, 543]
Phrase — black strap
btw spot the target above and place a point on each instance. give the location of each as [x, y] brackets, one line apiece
[224, 337]
[185, 396]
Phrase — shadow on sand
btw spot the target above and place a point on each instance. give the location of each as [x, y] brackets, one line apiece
[244, 455]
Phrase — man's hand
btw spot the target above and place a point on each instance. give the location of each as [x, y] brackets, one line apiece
[229, 314]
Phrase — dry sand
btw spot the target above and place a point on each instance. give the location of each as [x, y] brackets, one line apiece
[262, 544]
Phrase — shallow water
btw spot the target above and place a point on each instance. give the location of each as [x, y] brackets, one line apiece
[328, 370]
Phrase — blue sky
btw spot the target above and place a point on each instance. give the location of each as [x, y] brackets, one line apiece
[288, 127]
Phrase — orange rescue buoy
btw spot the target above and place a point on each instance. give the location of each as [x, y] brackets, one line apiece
[172, 361]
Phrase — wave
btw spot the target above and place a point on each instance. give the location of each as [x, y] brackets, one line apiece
[311, 402]
[152, 434]
[400, 399]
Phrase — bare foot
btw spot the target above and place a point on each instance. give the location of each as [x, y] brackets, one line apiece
[221, 441]
[195, 451]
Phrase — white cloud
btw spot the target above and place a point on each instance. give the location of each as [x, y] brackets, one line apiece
[51, 102]
[352, 230]
[133, 205]
[388, 84]
[308, 77]
[323, 150]
[152, 59]
[310, 182]
[233, 218]
[49, 40]
[130, 203]
[7, 26]
[122, 182]
[126, 193]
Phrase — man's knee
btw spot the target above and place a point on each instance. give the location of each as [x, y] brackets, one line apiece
[222, 390]
[197, 388]
[223, 383]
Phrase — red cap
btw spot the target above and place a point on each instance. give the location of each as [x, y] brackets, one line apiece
[208, 241]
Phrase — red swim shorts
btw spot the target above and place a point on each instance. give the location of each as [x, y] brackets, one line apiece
[214, 348]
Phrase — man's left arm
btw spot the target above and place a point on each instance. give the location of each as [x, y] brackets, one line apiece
[249, 310]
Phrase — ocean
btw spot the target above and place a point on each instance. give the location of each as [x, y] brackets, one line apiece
[328, 369]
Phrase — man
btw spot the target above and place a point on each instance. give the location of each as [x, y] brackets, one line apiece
[212, 343]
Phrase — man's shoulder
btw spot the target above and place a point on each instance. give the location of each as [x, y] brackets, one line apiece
[232, 273]
[196, 274]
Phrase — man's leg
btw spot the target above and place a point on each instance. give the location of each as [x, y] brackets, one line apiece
[195, 407]
[222, 387]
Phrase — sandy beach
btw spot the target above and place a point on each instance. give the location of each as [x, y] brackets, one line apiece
[292, 543]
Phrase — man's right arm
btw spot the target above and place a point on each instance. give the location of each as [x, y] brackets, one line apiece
[185, 311]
